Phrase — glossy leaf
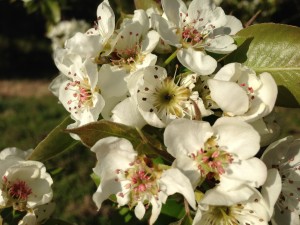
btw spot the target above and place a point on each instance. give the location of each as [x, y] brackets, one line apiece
[141, 141]
[56, 142]
[273, 48]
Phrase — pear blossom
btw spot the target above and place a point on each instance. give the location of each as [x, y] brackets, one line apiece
[135, 179]
[239, 92]
[160, 98]
[133, 44]
[24, 184]
[64, 30]
[194, 30]
[284, 155]
[223, 153]
[95, 41]
[251, 211]
[84, 91]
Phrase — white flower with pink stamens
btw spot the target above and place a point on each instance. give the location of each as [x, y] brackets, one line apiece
[135, 179]
[84, 91]
[239, 92]
[223, 153]
[200, 28]
[284, 155]
[133, 44]
[24, 184]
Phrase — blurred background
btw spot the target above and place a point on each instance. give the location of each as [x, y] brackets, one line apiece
[29, 31]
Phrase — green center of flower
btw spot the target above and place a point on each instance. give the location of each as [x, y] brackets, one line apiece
[212, 160]
[217, 215]
[170, 98]
[140, 181]
[232, 215]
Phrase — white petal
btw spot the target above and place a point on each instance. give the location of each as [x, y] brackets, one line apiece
[176, 182]
[150, 41]
[285, 217]
[229, 72]
[56, 83]
[229, 96]
[268, 91]
[113, 153]
[197, 61]
[251, 171]
[234, 24]
[147, 60]
[221, 44]
[219, 196]
[239, 137]
[277, 151]
[14, 152]
[166, 31]
[156, 208]
[172, 8]
[106, 25]
[82, 44]
[126, 112]
[189, 168]
[106, 188]
[139, 210]
[271, 189]
[191, 140]
[111, 81]
[217, 18]
[28, 219]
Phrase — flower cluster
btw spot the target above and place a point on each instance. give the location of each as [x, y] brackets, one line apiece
[160, 73]
[25, 185]
[211, 117]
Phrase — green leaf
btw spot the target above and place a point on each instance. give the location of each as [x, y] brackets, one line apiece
[141, 141]
[56, 222]
[186, 220]
[56, 142]
[273, 48]
[173, 208]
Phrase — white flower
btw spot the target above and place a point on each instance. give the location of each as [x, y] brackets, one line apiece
[133, 44]
[284, 155]
[24, 185]
[39, 215]
[160, 99]
[251, 211]
[135, 179]
[94, 41]
[223, 152]
[64, 30]
[239, 92]
[84, 91]
[202, 27]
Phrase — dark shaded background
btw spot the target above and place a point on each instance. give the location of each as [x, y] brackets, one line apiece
[25, 52]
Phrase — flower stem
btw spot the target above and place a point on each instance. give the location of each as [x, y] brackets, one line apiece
[170, 58]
